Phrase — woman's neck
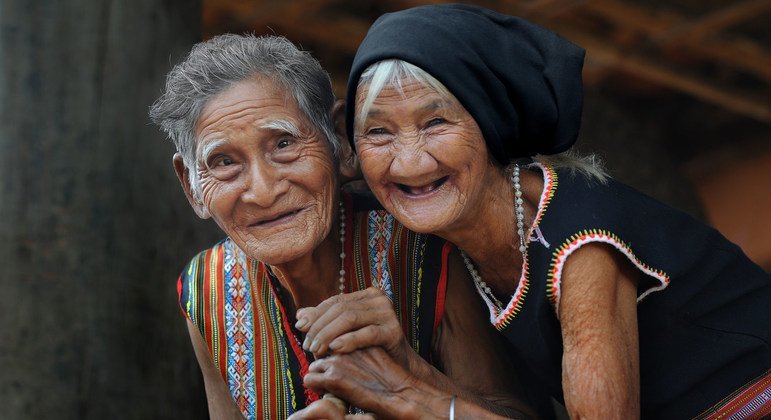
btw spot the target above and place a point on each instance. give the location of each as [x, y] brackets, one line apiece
[313, 277]
[488, 235]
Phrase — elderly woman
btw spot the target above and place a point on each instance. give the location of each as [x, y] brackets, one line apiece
[618, 305]
[258, 152]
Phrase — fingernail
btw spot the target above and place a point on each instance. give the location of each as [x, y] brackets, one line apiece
[301, 323]
[305, 344]
[314, 346]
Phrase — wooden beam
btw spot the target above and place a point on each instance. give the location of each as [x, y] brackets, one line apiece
[740, 54]
[599, 54]
[705, 26]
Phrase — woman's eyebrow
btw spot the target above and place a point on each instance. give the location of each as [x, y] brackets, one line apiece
[429, 106]
[436, 104]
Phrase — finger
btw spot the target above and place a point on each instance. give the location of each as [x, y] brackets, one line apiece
[369, 336]
[321, 409]
[365, 416]
[308, 316]
[351, 318]
[347, 315]
[323, 372]
[341, 405]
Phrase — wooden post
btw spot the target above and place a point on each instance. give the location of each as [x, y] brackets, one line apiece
[93, 226]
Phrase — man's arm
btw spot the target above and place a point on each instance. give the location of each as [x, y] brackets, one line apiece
[221, 404]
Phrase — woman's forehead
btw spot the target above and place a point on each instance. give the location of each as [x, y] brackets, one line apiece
[418, 96]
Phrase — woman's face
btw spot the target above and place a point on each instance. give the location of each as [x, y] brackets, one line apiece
[267, 175]
[423, 156]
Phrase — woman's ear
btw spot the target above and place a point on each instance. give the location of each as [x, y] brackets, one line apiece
[349, 165]
[183, 175]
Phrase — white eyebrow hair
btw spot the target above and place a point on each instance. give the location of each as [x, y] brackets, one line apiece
[283, 125]
[207, 149]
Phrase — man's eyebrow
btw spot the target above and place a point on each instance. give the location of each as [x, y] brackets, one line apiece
[283, 125]
[207, 149]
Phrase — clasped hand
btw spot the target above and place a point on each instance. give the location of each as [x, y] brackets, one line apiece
[362, 354]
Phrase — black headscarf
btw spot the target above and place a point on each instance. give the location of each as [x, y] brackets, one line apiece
[520, 82]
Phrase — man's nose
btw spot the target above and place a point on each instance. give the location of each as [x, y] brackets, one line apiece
[264, 184]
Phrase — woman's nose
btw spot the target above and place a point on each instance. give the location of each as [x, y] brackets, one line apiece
[264, 184]
[411, 161]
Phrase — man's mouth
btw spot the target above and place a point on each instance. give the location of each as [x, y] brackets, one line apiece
[276, 219]
[423, 189]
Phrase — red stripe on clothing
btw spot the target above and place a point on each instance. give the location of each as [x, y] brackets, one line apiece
[441, 288]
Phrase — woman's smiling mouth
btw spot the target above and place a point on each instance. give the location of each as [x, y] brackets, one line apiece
[417, 191]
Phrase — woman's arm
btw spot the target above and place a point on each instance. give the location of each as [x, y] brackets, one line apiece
[598, 317]
[221, 404]
[468, 349]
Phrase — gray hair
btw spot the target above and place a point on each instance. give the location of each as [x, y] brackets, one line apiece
[214, 65]
[393, 73]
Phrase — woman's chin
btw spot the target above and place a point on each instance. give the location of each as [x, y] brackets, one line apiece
[422, 220]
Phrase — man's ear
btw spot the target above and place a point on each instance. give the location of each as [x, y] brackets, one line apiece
[349, 165]
[184, 179]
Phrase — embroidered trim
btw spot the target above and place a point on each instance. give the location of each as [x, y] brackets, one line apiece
[549, 188]
[582, 238]
[751, 401]
[515, 305]
[501, 320]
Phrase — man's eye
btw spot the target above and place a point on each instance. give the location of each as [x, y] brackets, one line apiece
[222, 161]
[377, 131]
[283, 143]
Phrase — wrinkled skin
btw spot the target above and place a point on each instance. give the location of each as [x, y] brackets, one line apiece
[427, 162]
[272, 191]
[342, 323]
[424, 157]
[370, 378]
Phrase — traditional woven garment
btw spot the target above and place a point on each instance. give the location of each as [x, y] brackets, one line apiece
[703, 307]
[235, 303]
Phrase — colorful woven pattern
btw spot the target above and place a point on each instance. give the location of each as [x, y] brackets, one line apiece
[752, 401]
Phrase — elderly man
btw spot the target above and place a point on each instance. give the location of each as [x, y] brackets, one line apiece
[257, 151]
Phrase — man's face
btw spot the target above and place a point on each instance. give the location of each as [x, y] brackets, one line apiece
[267, 175]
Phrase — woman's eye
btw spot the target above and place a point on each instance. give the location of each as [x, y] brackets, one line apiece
[377, 131]
[435, 121]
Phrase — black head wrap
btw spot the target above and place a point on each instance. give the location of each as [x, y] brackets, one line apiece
[520, 82]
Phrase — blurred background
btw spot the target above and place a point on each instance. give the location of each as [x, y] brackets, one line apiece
[94, 228]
